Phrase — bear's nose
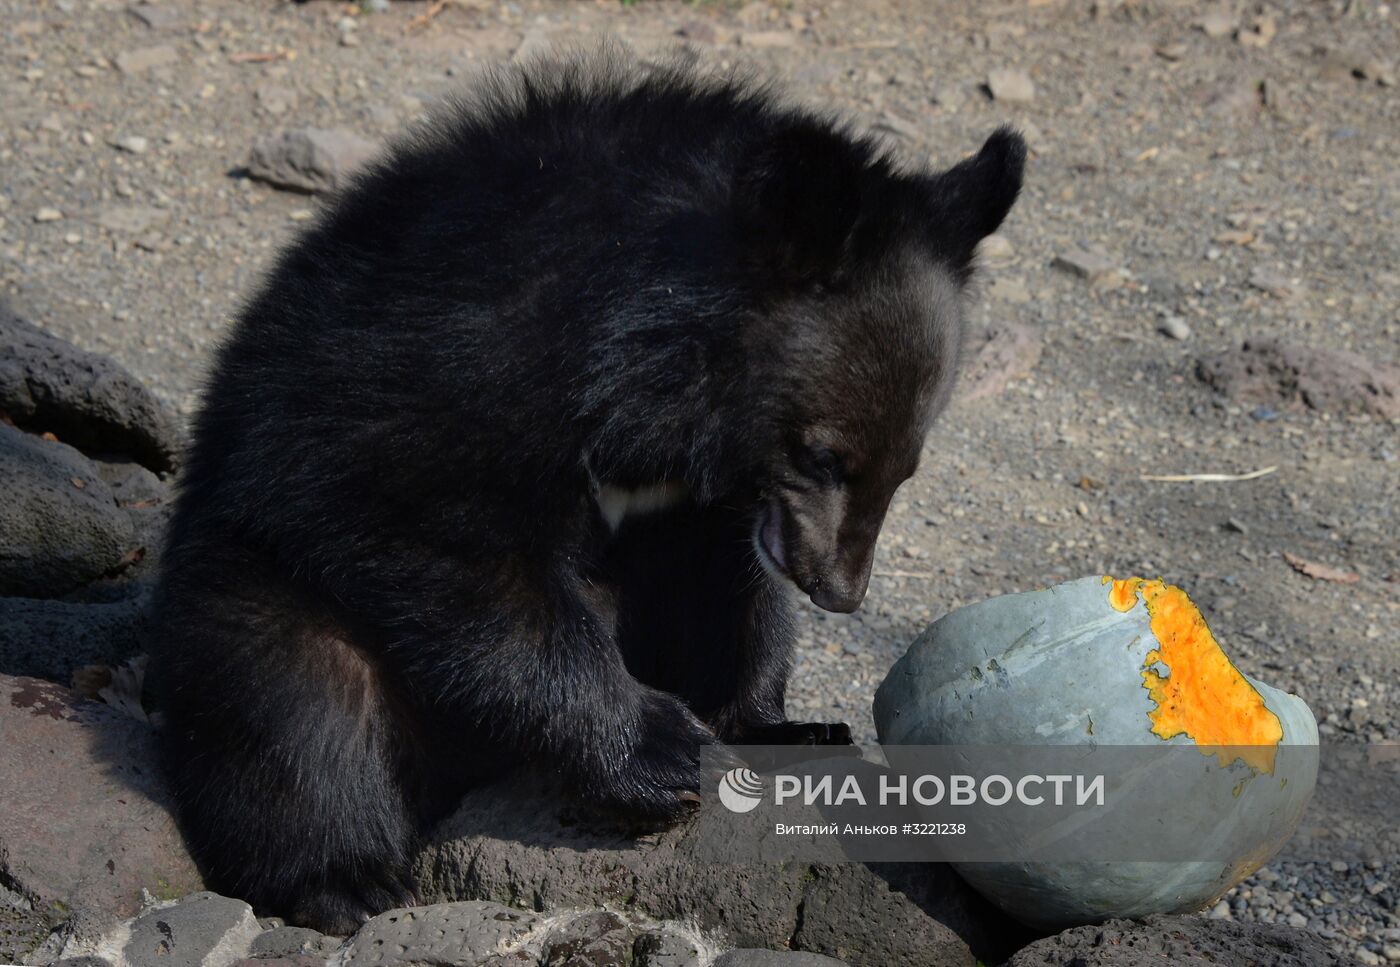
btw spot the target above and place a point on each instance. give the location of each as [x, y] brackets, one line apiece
[839, 597]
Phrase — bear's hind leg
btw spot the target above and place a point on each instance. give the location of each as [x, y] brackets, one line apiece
[286, 750]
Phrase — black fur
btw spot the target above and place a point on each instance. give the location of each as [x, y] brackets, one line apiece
[388, 574]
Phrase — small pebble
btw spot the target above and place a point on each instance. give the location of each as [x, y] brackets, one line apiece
[996, 248]
[133, 144]
[1175, 327]
[48, 215]
[1010, 85]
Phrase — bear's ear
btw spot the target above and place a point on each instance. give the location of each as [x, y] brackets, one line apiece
[971, 199]
[796, 199]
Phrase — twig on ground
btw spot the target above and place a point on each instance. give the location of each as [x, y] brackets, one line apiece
[902, 574]
[1209, 477]
[261, 57]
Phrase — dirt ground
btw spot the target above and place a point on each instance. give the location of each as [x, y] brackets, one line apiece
[1232, 168]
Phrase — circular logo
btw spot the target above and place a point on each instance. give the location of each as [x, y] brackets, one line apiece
[740, 790]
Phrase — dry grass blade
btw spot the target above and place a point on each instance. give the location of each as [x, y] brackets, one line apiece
[118, 687]
[1209, 477]
[423, 19]
[1320, 572]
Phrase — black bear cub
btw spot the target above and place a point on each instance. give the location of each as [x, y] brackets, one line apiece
[516, 451]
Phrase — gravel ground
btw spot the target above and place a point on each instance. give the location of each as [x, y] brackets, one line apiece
[1233, 171]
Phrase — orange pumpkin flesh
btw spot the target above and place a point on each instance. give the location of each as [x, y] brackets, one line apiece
[1201, 695]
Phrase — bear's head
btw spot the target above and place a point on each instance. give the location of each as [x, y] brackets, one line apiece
[859, 272]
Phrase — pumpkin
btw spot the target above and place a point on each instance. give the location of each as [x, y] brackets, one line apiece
[1100, 663]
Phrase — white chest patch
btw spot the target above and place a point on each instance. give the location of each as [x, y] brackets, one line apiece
[618, 503]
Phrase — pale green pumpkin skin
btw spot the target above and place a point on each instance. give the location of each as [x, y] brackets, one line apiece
[1061, 667]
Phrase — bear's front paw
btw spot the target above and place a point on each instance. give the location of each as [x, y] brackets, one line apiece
[660, 776]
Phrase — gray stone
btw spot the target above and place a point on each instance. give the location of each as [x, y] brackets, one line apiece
[1276, 283]
[1219, 22]
[995, 249]
[1159, 940]
[1096, 268]
[202, 930]
[60, 526]
[775, 958]
[521, 841]
[275, 99]
[1268, 371]
[131, 219]
[86, 827]
[51, 639]
[156, 16]
[704, 32]
[85, 399]
[442, 934]
[132, 484]
[149, 504]
[286, 942]
[142, 59]
[1010, 85]
[310, 159]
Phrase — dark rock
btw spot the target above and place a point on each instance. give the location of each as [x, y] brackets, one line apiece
[21, 928]
[666, 948]
[60, 526]
[202, 930]
[148, 504]
[517, 843]
[1268, 372]
[1179, 941]
[995, 356]
[285, 942]
[596, 939]
[774, 958]
[86, 825]
[443, 934]
[132, 484]
[310, 159]
[51, 639]
[86, 400]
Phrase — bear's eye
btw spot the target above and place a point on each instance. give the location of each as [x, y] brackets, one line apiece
[820, 464]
